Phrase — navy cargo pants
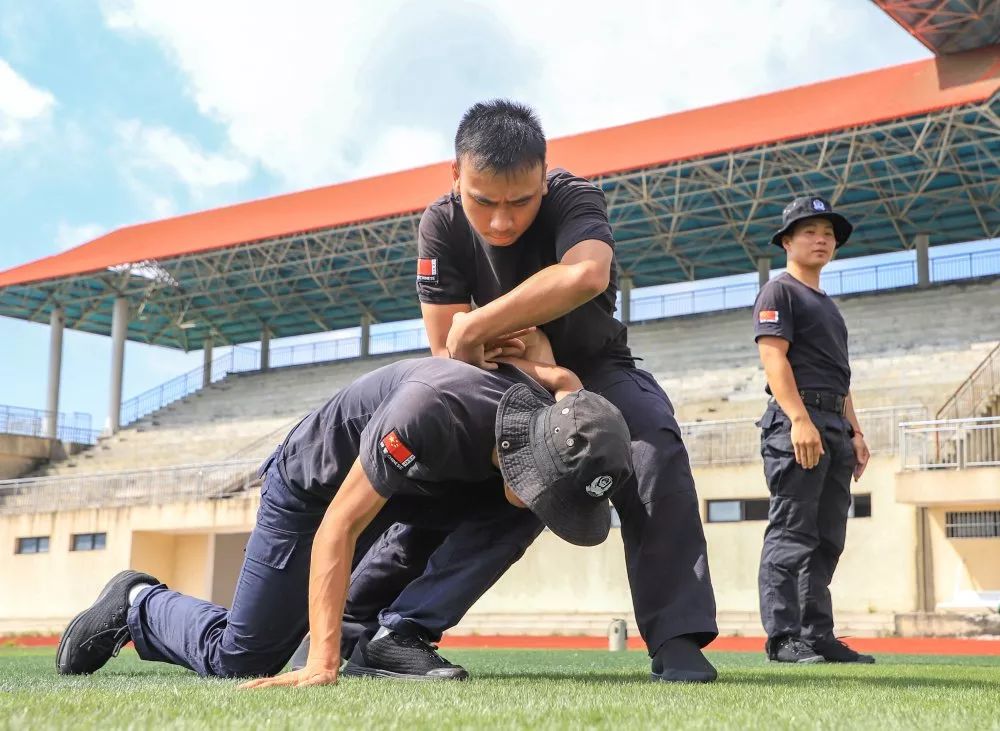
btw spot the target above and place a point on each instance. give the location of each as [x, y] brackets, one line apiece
[269, 615]
[665, 551]
[807, 524]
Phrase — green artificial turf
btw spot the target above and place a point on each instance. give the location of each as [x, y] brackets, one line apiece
[518, 689]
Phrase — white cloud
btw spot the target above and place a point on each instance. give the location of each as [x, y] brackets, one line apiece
[21, 106]
[317, 91]
[69, 235]
[159, 149]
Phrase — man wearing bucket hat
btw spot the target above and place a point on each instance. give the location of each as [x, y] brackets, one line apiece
[811, 441]
[428, 440]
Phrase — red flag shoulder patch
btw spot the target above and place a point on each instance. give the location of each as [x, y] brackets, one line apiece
[768, 316]
[396, 451]
[427, 270]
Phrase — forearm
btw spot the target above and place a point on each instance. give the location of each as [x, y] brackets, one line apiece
[556, 379]
[543, 297]
[329, 578]
[781, 379]
[851, 414]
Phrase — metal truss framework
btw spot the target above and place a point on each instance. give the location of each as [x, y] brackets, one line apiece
[936, 173]
[947, 26]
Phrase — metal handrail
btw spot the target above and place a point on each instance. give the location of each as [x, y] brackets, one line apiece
[889, 275]
[211, 481]
[844, 281]
[729, 441]
[243, 360]
[950, 443]
[34, 423]
[982, 384]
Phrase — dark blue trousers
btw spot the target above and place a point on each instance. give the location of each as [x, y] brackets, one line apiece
[806, 525]
[665, 552]
[269, 615]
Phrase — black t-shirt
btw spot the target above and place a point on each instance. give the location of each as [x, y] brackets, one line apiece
[421, 427]
[456, 266]
[810, 321]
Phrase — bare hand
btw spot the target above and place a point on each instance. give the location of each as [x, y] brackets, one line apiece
[807, 443]
[513, 344]
[307, 676]
[861, 455]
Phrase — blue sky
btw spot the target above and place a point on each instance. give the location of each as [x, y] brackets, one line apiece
[124, 111]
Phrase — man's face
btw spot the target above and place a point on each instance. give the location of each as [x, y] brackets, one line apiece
[811, 242]
[500, 206]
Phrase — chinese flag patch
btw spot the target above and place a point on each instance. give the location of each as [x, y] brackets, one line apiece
[427, 270]
[396, 451]
[768, 316]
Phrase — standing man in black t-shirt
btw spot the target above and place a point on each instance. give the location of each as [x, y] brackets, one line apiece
[811, 441]
[419, 440]
[533, 247]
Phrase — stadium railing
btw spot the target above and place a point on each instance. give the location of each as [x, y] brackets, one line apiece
[32, 423]
[135, 487]
[976, 391]
[950, 443]
[709, 443]
[890, 275]
[731, 441]
[242, 360]
[846, 281]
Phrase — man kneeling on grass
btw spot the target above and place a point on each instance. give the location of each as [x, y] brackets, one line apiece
[430, 439]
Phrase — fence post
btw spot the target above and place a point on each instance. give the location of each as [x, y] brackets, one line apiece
[921, 242]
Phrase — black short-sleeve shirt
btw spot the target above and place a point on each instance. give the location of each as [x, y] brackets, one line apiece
[420, 427]
[817, 334]
[457, 266]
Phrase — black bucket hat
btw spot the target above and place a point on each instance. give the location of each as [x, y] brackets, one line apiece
[564, 460]
[811, 206]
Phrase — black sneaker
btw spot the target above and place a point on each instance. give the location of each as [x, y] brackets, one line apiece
[791, 649]
[680, 660]
[392, 655]
[97, 634]
[833, 650]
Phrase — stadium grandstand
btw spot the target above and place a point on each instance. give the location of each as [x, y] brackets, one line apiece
[910, 153]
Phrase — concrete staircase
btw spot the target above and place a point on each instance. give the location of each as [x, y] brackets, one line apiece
[908, 347]
[242, 416]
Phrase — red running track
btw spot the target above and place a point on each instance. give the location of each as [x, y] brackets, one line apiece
[881, 645]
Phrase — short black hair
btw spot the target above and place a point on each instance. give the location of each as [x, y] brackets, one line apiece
[500, 136]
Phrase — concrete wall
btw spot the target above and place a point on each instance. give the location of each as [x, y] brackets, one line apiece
[963, 568]
[19, 455]
[228, 559]
[198, 548]
[174, 542]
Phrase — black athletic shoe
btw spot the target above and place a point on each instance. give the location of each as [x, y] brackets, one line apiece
[97, 634]
[833, 650]
[680, 660]
[791, 649]
[405, 658]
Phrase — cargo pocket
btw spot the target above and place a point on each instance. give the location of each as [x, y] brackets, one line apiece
[271, 547]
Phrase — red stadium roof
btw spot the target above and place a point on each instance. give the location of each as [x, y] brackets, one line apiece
[891, 93]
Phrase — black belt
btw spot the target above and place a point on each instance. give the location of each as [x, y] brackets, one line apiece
[824, 401]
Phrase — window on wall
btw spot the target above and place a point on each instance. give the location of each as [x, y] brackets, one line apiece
[33, 544]
[972, 524]
[861, 506]
[734, 511]
[740, 510]
[89, 542]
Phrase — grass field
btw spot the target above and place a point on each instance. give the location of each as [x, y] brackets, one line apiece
[518, 689]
